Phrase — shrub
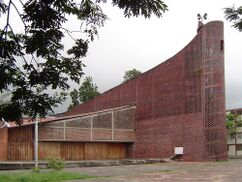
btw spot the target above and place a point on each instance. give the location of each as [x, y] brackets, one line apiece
[56, 164]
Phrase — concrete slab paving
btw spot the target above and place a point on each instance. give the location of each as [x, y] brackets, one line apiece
[169, 172]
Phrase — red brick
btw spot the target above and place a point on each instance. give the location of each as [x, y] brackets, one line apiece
[180, 102]
[102, 134]
[76, 134]
[48, 133]
[123, 135]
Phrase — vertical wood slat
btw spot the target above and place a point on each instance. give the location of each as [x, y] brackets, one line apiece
[20, 147]
[3, 144]
[20, 143]
[20, 134]
[95, 151]
[49, 150]
[81, 151]
[20, 151]
[104, 151]
[72, 151]
[116, 151]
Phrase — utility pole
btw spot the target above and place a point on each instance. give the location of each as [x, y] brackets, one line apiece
[235, 133]
[36, 141]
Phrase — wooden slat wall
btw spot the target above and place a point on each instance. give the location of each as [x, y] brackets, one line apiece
[20, 134]
[116, 151]
[21, 147]
[49, 150]
[3, 144]
[81, 151]
[20, 143]
[105, 151]
[95, 151]
[72, 151]
[20, 151]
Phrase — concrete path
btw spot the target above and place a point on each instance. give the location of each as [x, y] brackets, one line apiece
[168, 172]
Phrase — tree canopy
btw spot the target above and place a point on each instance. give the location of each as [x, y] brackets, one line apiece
[232, 122]
[33, 60]
[87, 91]
[130, 74]
[235, 16]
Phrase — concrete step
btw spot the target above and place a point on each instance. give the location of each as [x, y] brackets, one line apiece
[10, 165]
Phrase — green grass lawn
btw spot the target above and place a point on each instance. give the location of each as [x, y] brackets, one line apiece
[41, 176]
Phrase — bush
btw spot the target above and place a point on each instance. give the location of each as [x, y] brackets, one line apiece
[230, 125]
[56, 164]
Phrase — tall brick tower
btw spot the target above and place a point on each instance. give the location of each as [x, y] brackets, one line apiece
[213, 86]
[179, 103]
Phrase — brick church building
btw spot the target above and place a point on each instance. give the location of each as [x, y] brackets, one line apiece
[179, 104]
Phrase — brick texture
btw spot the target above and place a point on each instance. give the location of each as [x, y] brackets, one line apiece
[51, 133]
[122, 135]
[100, 126]
[102, 134]
[84, 122]
[78, 134]
[102, 120]
[180, 102]
[124, 119]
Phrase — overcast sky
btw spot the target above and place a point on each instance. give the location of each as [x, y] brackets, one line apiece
[141, 43]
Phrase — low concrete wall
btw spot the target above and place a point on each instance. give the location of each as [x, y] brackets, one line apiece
[11, 165]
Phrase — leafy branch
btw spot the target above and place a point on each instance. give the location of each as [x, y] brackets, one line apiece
[33, 62]
[234, 15]
[232, 122]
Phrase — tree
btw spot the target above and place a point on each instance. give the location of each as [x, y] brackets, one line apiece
[130, 74]
[74, 98]
[87, 91]
[33, 60]
[234, 15]
[232, 122]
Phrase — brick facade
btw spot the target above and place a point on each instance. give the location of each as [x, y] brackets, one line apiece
[113, 125]
[179, 103]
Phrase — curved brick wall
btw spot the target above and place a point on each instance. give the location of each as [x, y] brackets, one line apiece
[178, 103]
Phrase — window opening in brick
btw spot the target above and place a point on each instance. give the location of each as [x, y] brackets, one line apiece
[222, 45]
